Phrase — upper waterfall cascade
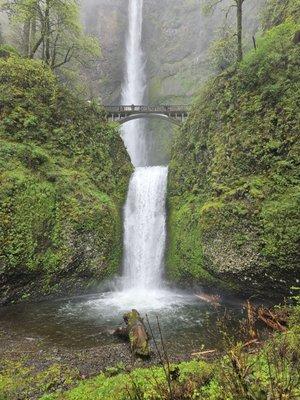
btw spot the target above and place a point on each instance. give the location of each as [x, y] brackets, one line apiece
[134, 87]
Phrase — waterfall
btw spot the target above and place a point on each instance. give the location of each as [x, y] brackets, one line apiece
[145, 228]
[144, 211]
[133, 91]
[141, 285]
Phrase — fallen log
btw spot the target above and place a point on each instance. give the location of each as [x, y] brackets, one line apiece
[135, 331]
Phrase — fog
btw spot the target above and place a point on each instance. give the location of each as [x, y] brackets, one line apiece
[176, 38]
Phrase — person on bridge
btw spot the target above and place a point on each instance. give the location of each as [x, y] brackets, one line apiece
[132, 107]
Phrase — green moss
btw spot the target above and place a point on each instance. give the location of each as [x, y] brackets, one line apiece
[233, 185]
[279, 219]
[20, 380]
[185, 255]
[64, 174]
[122, 386]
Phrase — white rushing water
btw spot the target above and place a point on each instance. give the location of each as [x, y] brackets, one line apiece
[133, 91]
[145, 228]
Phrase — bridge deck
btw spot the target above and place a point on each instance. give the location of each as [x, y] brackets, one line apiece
[133, 109]
[123, 114]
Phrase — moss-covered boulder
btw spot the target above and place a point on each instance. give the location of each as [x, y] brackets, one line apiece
[63, 178]
[234, 186]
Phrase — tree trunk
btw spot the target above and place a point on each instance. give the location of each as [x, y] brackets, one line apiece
[239, 6]
[47, 32]
[26, 38]
[36, 46]
[33, 33]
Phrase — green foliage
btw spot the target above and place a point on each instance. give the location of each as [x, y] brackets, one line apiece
[234, 173]
[147, 382]
[7, 51]
[64, 173]
[20, 380]
[272, 371]
[277, 11]
[51, 31]
[54, 26]
[222, 52]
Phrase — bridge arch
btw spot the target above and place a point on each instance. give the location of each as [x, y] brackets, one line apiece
[133, 117]
[123, 114]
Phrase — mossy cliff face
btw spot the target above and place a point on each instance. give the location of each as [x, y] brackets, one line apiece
[63, 177]
[106, 20]
[233, 188]
[177, 37]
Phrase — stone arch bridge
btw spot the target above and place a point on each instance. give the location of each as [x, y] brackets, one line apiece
[122, 114]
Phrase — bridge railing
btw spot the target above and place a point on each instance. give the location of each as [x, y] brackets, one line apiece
[142, 108]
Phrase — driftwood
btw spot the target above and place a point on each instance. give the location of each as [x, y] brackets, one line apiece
[215, 300]
[250, 343]
[135, 331]
[251, 318]
[276, 322]
[204, 353]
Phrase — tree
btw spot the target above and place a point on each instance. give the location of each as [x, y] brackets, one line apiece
[51, 31]
[238, 4]
[221, 53]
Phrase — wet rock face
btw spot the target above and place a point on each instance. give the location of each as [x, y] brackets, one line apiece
[177, 39]
[107, 20]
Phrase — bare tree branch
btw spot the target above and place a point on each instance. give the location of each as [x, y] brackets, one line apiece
[67, 58]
